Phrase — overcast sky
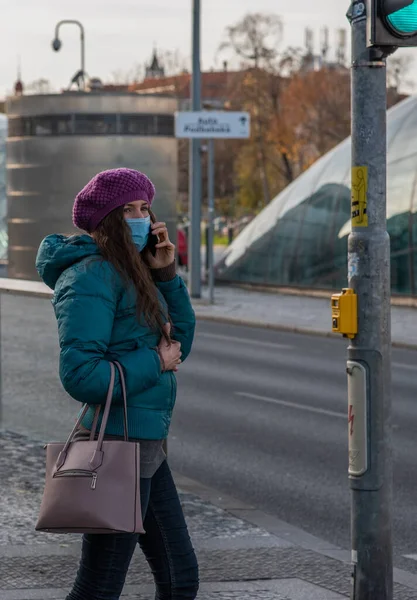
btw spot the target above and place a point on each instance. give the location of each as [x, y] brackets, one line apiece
[121, 33]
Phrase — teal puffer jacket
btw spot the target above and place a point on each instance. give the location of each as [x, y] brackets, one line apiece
[97, 323]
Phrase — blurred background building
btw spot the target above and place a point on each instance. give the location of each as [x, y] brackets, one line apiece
[285, 192]
[300, 238]
[3, 200]
[57, 143]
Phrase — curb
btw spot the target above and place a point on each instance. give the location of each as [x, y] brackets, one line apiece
[265, 325]
[290, 533]
[322, 294]
[286, 328]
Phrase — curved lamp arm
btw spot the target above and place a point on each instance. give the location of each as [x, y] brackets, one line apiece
[82, 37]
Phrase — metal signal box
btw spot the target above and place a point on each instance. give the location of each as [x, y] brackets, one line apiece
[345, 313]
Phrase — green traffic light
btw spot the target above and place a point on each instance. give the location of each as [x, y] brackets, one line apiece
[403, 21]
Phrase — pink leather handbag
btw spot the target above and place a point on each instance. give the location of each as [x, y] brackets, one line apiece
[93, 486]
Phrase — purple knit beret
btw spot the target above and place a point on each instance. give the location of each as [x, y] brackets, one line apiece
[109, 190]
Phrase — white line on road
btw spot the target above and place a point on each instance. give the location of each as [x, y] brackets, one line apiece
[306, 407]
[403, 366]
[411, 556]
[232, 338]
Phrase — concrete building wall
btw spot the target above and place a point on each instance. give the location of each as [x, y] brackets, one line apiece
[3, 200]
[51, 155]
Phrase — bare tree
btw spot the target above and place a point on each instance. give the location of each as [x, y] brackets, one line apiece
[290, 61]
[136, 73]
[120, 77]
[173, 62]
[398, 69]
[128, 76]
[255, 38]
[39, 86]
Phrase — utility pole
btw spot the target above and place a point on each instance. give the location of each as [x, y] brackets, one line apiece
[194, 241]
[369, 354]
[211, 208]
[362, 312]
[208, 125]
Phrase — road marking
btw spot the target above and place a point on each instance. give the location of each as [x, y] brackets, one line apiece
[411, 556]
[306, 407]
[403, 366]
[232, 338]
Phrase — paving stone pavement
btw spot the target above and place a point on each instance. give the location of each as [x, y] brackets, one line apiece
[225, 545]
[232, 565]
[218, 565]
[285, 589]
[259, 595]
[21, 493]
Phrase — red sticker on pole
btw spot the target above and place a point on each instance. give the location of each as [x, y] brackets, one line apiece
[351, 419]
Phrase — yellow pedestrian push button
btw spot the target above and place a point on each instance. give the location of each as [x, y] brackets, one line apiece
[345, 313]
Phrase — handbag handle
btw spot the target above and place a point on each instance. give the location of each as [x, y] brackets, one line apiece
[124, 395]
[97, 457]
[98, 409]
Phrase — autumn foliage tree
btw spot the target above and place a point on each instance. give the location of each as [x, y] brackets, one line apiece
[315, 114]
[297, 113]
[255, 40]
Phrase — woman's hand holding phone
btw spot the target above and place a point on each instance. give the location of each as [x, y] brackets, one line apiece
[164, 250]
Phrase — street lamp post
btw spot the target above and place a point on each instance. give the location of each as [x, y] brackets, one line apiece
[194, 253]
[56, 45]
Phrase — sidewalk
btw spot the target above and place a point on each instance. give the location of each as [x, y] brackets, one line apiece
[294, 311]
[243, 553]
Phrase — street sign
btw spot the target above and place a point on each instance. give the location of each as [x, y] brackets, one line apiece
[212, 125]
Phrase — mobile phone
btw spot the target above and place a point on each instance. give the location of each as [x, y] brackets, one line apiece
[152, 241]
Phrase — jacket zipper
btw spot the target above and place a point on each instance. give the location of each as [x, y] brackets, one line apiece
[79, 473]
[173, 389]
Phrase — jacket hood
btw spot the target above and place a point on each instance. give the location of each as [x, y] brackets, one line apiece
[59, 252]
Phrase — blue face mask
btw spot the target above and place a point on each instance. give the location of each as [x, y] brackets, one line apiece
[140, 231]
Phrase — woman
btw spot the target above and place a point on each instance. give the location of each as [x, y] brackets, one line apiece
[117, 297]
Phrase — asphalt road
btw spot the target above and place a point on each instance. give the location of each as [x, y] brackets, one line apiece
[261, 415]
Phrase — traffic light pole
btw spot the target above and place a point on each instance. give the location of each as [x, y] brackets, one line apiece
[369, 354]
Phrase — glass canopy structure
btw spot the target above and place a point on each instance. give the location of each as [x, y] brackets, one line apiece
[300, 238]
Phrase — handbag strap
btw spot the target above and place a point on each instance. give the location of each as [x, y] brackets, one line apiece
[107, 407]
[97, 457]
[98, 408]
[75, 428]
[124, 394]
[95, 422]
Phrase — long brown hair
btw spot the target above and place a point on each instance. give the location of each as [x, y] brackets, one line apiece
[114, 238]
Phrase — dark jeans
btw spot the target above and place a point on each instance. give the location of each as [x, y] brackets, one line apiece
[166, 545]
